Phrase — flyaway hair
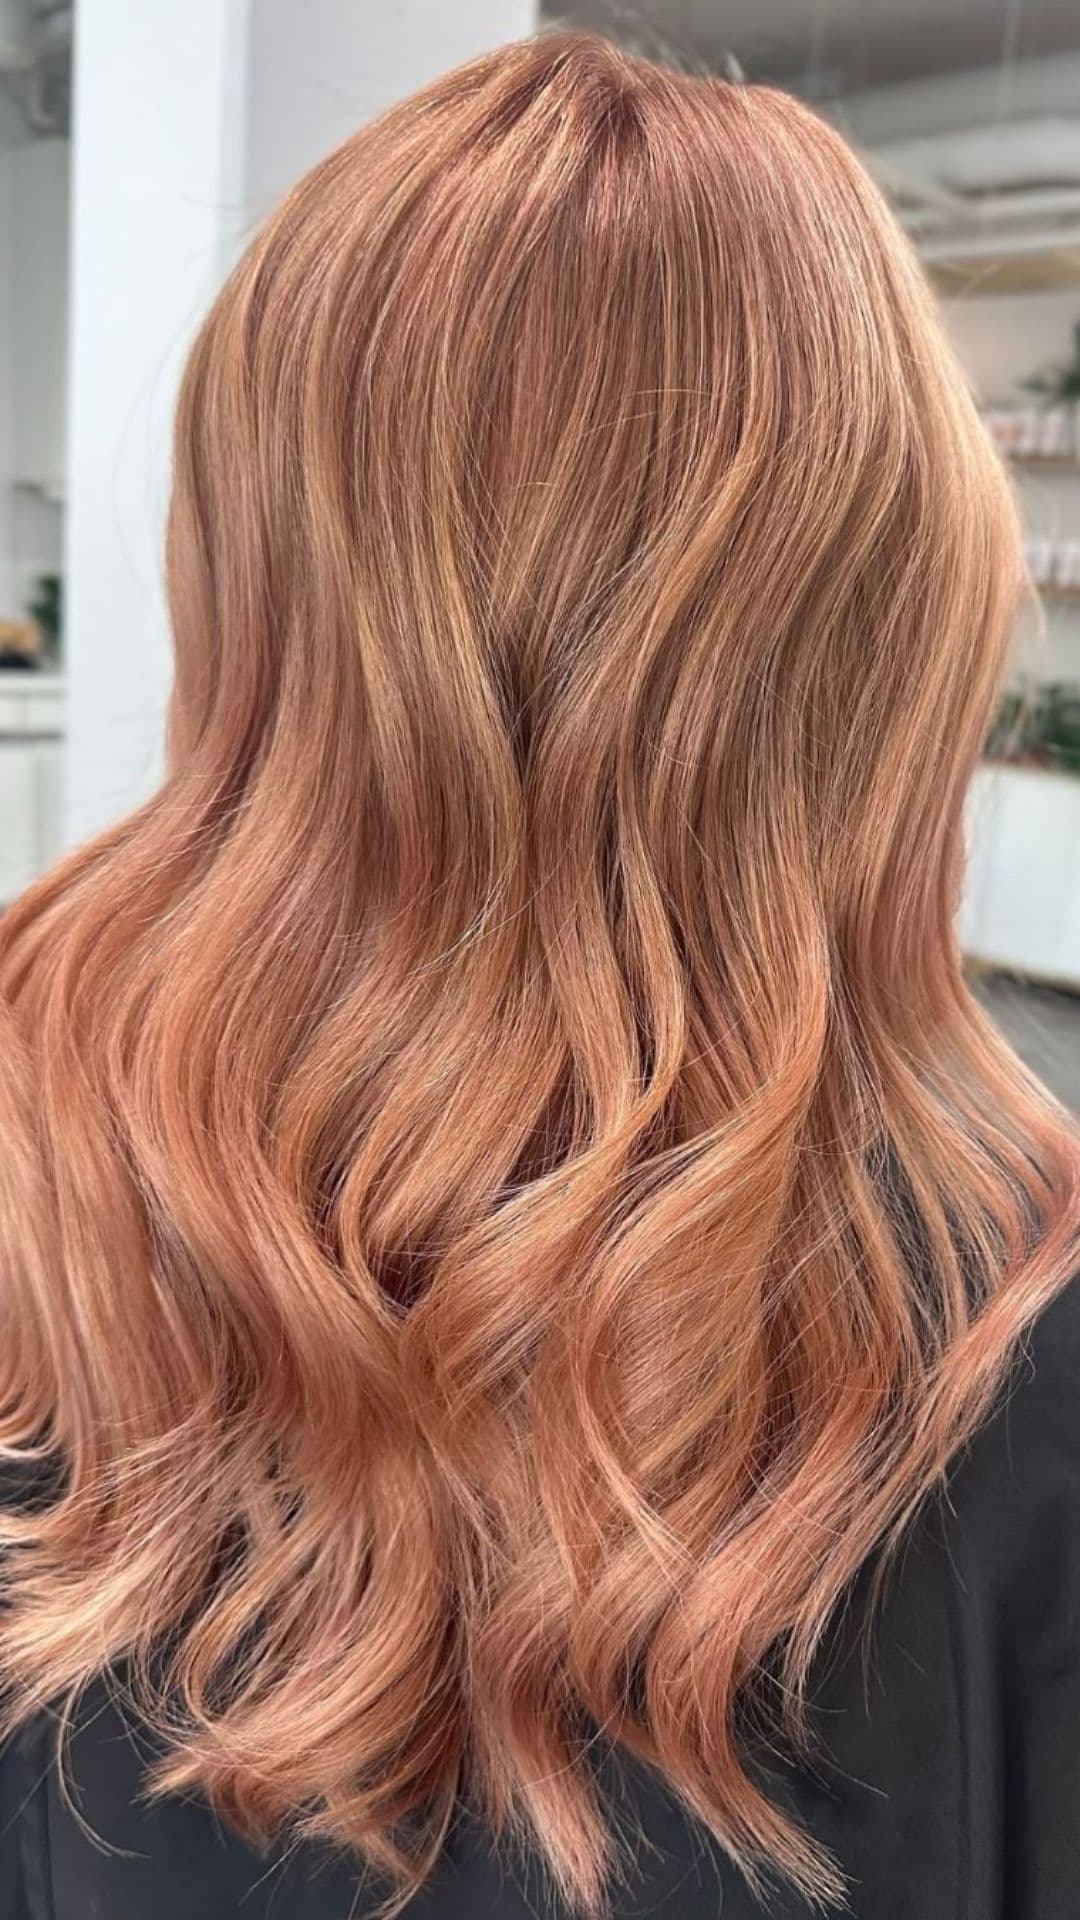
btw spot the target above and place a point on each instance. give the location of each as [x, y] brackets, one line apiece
[506, 1200]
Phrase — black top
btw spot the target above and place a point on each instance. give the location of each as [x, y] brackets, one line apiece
[950, 1789]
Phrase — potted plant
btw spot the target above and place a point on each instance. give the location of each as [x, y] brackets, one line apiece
[1021, 904]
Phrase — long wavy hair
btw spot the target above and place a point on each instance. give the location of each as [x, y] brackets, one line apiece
[507, 1200]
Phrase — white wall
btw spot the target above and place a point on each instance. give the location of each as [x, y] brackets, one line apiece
[1002, 338]
[317, 71]
[191, 116]
[12, 129]
[9, 593]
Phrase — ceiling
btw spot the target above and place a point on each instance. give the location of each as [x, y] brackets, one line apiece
[826, 47]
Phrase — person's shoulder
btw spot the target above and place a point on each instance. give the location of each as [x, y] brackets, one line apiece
[1018, 1478]
[1039, 1408]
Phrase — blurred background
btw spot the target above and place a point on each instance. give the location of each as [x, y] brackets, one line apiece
[141, 143]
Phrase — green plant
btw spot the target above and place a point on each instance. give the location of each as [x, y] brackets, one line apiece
[47, 608]
[1038, 727]
[1060, 732]
[1059, 383]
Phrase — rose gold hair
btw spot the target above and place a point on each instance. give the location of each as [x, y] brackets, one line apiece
[507, 1199]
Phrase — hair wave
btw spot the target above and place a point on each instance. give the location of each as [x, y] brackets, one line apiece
[507, 1199]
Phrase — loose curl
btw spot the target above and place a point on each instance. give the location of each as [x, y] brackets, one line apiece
[507, 1200]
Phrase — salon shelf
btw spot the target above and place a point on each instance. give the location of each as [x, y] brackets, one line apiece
[1043, 462]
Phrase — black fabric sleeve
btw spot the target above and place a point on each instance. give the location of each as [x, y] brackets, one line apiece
[946, 1777]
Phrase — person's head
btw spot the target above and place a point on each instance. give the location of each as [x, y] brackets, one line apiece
[507, 1199]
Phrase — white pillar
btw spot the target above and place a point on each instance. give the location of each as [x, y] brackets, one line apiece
[156, 163]
[190, 118]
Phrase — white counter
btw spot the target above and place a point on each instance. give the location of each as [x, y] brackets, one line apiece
[31, 775]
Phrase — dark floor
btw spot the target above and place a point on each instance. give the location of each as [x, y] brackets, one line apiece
[1043, 1025]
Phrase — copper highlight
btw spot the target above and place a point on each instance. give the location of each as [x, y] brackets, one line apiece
[507, 1200]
